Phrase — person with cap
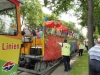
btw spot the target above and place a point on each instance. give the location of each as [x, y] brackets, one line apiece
[66, 55]
[94, 62]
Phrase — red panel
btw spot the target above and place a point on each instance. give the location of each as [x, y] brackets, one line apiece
[15, 2]
[52, 48]
[51, 24]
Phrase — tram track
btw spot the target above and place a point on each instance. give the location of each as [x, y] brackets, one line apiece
[49, 71]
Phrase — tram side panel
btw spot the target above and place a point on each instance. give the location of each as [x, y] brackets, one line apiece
[52, 50]
[28, 47]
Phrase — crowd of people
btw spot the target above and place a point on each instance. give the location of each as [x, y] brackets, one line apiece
[38, 33]
[94, 52]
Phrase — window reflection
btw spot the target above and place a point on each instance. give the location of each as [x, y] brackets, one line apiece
[8, 24]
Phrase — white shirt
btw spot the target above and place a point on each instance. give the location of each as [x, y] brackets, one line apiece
[94, 52]
[27, 32]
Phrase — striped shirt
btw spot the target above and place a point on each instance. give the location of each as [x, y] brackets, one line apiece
[94, 52]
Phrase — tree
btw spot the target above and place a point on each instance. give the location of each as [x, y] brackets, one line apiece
[53, 16]
[58, 6]
[64, 5]
[2, 26]
[31, 13]
[96, 16]
[70, 25]
[90, 23]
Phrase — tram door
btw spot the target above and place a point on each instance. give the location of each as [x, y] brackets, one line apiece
[10, 36]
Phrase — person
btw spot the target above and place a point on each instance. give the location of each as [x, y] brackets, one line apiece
[22, 33]
[66, 55]
[94, 62]
[33, 32]
[86, 45]
[27, 31]
[15, 29]
[40, 33]
[37, 33]
[81, 48]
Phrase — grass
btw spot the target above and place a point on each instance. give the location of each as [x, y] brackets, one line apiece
[80, 67]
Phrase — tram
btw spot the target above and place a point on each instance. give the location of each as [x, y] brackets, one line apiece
[10, 36]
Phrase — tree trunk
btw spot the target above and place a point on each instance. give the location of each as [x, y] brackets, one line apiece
[90, 27]
[90, 24]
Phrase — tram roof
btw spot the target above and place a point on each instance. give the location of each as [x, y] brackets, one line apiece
[5, 4]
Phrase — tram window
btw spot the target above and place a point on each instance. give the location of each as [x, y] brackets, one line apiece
[8, 22]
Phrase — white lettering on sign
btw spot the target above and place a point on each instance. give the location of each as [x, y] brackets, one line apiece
[13, 73]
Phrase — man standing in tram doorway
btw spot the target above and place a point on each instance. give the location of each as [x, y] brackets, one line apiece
[66, 55]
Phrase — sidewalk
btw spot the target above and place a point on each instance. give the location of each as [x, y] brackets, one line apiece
[60, 68]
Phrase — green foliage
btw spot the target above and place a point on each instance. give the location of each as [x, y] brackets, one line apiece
[70, 25]
[96, 33]
[53, 16]
[96, 16]
[2, 26]
[31, 13]
[82, 9]
[58, 6]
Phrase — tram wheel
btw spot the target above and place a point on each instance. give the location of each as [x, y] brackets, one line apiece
[40, 66]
